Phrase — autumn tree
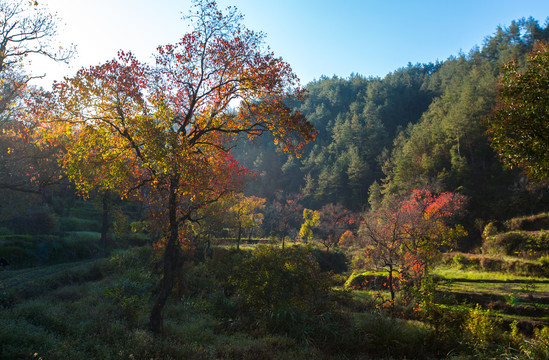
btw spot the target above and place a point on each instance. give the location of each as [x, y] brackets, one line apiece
[165, 132]
[26, 29]
[311, 219]
[382, 235]
[334, 221]
[519, 128]
[284, 214]
[245, 214]
[404, 236]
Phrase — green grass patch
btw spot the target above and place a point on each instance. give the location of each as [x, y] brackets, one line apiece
[452, 273]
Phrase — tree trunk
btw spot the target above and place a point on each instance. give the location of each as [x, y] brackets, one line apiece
[391, 283]
[171, 258]
[105, 222]
[239, 236]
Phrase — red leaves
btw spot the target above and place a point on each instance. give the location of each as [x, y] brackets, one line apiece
[410, 232]
[167, 131]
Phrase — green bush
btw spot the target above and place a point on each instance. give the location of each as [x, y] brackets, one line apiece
[509, 243]
[538, 346]
[21, 339]
[137, 257]
[482, 330]
[517, 242]
[528, 223]
[538, 242]
[17, 240]
[369, 281]
[77, 224]
[273, 279]
[544, 261]
[27, 250]
[225, 262]
[17, 256]
[489, 230]
[334, 261]
[460, 260]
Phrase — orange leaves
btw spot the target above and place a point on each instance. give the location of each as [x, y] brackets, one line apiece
[167, 131]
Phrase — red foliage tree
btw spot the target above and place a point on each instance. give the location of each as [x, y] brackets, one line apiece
[405, 235]
[334, 221]
[165, 133]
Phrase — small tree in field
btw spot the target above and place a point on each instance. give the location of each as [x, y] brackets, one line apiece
[404, 236]
[284, 214]
[334, 221]
[311, 219]
[165, 133]
[383, 237]
[245, 214]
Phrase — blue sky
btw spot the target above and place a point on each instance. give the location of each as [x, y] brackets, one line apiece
[317, 37]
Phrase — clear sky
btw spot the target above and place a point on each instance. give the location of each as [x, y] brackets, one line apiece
[317, 37]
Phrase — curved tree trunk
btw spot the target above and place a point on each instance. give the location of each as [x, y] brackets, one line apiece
[171, 259]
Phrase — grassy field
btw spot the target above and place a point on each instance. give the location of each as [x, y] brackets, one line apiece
[99, 309]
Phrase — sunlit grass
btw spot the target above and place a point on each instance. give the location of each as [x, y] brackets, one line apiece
[452, 273]
[498, 288]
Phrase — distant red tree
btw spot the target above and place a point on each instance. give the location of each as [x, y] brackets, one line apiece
[404, 236]
[335, 220]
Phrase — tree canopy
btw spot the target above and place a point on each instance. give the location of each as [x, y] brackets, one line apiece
[165, 133]
[519, 129]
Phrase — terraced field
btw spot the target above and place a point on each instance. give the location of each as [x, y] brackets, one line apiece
[521, 298]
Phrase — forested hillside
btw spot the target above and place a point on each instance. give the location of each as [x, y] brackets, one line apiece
[422, 125]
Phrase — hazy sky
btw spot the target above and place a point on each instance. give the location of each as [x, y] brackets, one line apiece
[317, 37]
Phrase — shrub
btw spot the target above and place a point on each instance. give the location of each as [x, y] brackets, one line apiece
[538, 241]
[489, 230]
[544, 260]
[460, 260]
[20, 339]
[514, 242]
[273, 279]
[138, 257]
[528, 223]
[224, 262]
[482, 330]
[334, 261]
[508, 243]
[5, 231]
[447, 321]
[538, 346]
[368, 281]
